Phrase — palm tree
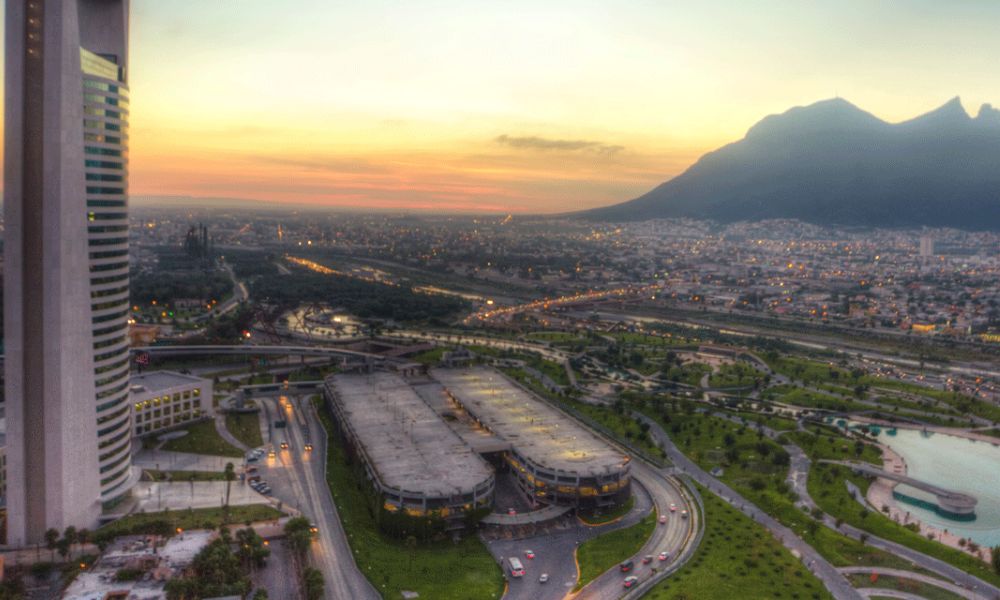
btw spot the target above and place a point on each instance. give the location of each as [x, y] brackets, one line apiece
[230, 475]
[51, 539]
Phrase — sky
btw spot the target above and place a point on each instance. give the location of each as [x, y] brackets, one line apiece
[515, 106]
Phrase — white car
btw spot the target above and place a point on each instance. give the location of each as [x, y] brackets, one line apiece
[543, 578]
[663, 519]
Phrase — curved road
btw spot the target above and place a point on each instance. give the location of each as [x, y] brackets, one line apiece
[901, 574]
[798, 477]
[672, 537]
[832, 579]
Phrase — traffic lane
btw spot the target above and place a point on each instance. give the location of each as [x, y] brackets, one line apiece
[668, 537]
[554, 555]
[333, 550]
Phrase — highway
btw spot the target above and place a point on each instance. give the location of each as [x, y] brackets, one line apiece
[299, 479]
[672, 537]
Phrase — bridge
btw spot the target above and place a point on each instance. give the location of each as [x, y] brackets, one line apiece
[243, 350]
[949, 501]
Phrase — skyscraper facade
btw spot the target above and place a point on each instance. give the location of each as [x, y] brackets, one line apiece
[66, 262]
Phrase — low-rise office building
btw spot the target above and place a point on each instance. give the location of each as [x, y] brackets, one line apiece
[163, 399]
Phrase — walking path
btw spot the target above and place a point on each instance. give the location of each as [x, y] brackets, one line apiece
[220, 427]
[832, 579]
[798, 479]
[925, 579]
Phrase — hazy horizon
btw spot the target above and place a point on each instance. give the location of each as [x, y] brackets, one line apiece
[522, 108]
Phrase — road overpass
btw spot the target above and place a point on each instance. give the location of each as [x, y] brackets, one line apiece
[949, 501]
[245, 350]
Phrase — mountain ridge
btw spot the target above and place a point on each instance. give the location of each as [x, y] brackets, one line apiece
[831, 162]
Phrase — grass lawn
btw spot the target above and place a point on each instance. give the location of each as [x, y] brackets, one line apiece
[734, 375]
[245, 427]
[826, 486]
[917, 588]
[796, 396]
[599, 518]
[620, 425]
[808, 370]
[689, 373]
[756, 476]
[199, 518]
[738, 558]
[439, 570]
[202, 438]
[184, 475]
[597, 555]
[430, 357]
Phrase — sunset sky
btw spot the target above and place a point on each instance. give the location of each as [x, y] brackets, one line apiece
[511, 106]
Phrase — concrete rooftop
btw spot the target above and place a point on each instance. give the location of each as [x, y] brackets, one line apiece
[409, 446]
[155, 381]
[535, 429]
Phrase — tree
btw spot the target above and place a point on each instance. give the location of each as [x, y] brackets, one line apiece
[996, 558]
[298, 532]
[230, 475]
[251, 548]
[260, 594]
[51, 540]
[314, 583]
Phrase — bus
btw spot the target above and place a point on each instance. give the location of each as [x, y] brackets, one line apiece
[516, 568]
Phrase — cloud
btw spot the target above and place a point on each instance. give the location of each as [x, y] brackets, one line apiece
[539, 143]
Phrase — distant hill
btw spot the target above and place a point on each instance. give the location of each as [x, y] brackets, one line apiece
[833, 163]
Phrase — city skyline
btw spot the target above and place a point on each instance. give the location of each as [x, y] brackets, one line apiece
[510, 109]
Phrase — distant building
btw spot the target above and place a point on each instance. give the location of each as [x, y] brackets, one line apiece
[164, 399]
[926, 246]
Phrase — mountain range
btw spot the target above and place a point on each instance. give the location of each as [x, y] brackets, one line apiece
[835, 164]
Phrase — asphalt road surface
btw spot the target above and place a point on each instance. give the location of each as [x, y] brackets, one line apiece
[299, 479]
[832, 579]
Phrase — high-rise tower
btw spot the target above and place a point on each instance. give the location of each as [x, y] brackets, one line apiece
[66, 262]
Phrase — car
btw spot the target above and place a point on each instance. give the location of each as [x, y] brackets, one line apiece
[630, 581]
[308, 447]
[254, 479]
[284, 445]
[647, 559]
[511, 512]
[543, 578]
[529, 554]
[684, 514]
[663, 519]
[663, 556]
[266, 490]
[626, 566]
[270, 453]
[673, 507]
[252, 458]
[313, 529]
[251, 470]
